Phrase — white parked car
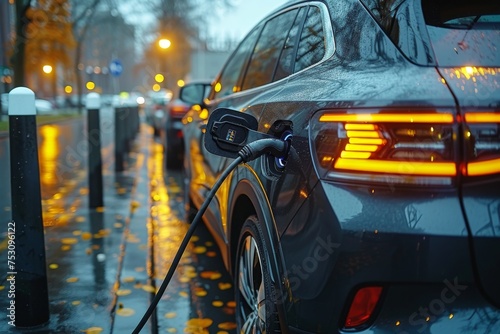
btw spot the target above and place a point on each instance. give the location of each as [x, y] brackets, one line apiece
[43, 107]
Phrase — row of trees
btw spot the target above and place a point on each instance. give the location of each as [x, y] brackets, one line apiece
[54, 31]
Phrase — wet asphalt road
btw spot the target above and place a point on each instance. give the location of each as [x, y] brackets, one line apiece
[104, 265]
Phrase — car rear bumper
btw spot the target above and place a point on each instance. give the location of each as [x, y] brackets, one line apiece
[413, 243]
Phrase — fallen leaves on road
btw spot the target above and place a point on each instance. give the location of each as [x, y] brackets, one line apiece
[69, 241]
[227, 326]
[123, 292]
[93, 330]
[213, 275]
[198, 325]
[199, 249]
[217, 303]
[149, 288]
[125, 312]
[170, 315]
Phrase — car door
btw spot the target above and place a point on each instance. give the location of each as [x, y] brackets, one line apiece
[247, 84]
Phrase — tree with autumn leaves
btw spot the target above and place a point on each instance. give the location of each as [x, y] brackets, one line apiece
[44, 36]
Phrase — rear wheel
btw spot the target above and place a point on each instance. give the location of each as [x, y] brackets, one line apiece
[255, 294]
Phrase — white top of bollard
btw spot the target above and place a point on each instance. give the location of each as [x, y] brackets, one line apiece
[93, 101]
[22, 102]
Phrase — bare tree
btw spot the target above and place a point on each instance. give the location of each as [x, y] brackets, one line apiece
[83, 12]
[21, 24]
[181, 22]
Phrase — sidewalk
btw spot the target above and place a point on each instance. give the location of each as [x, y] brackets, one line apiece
[85, 249]
[104, 266]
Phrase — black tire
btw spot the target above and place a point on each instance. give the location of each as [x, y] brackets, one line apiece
[190, 208]
[172, 159]
[254, 291]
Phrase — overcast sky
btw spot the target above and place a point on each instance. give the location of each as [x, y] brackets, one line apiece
[237, 22]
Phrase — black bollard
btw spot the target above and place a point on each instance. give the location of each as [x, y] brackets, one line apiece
[27, 276]
[119, 140]
[94, 148]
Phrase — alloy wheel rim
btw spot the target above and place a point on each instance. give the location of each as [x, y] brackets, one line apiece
[252, 309]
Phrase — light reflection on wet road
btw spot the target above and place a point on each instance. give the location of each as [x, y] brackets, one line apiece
[90, 286]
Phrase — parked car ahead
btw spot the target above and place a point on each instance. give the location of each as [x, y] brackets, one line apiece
[44, 107]
[170, 132]
[5, 103]
[154, 108]
[386, 216]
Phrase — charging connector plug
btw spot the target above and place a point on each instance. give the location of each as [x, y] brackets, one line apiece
[274, 146]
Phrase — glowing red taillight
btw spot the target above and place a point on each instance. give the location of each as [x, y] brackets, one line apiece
[362, 306]
[392, 146]
[178, 111]
[482, 143]
[406, 146]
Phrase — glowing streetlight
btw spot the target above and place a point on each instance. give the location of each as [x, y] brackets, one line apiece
[164, 43]
[90, 85]
[159, 77]
[47, 69]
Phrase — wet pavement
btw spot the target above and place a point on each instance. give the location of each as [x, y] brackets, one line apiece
[104, 265]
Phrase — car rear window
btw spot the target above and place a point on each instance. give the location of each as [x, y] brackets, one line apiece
[464, 33]
[445, 33]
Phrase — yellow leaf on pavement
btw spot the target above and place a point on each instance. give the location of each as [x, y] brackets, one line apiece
[69, 241]
[213, 275]
[199, 322]
[148, 288]
[227, 326]
[93, 330]
[125, 312]
[123, 292]
[170, 315]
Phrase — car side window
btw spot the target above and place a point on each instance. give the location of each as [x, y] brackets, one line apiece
[286, 61]
[268, 50]
[312, 41]
[229, 79]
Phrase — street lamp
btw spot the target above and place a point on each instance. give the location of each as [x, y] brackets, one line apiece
[49, 70]
[164, 43]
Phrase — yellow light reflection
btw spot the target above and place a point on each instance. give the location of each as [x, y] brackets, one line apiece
[49, 152]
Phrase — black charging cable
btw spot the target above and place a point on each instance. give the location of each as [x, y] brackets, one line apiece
[249, 152]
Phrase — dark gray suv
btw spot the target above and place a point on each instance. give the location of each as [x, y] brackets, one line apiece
[385, 216]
